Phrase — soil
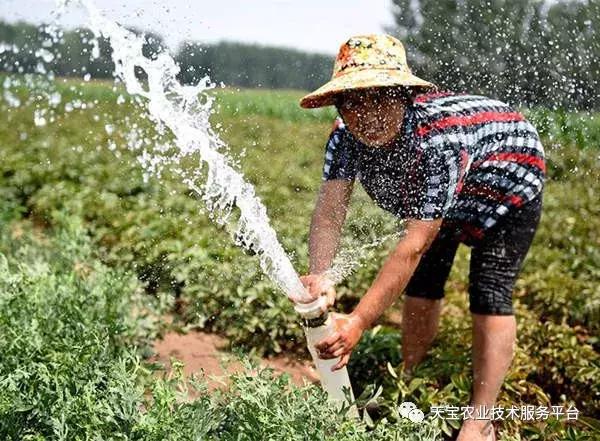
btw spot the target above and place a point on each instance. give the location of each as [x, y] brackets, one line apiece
[204, 352]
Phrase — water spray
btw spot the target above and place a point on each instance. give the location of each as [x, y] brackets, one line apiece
[185, 111]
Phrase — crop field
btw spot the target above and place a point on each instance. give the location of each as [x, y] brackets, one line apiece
[94, 255]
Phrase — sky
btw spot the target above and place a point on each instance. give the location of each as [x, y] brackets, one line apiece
[312, 25]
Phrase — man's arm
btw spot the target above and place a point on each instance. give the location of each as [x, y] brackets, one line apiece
[327, 221]
[397, 270]
[389, 283]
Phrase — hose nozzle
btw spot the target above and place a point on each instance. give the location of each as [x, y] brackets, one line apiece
[314, 313]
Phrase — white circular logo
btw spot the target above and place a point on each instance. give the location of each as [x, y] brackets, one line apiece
[406, 407]
[416, 415]
[409, 410]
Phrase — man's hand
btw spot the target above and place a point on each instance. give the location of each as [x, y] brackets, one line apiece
[349, 329]
[319, 285]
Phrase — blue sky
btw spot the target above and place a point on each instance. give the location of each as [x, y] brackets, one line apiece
[314, 25]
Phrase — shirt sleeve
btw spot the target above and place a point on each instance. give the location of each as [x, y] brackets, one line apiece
[340, 154]
[443, 169]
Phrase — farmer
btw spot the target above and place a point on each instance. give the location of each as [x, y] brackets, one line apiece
[458, 168]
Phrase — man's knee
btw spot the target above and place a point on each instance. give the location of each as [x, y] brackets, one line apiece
[430, 293]
[422, 304]
[420, 318]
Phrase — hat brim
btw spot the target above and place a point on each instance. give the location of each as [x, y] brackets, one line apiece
[362, 79]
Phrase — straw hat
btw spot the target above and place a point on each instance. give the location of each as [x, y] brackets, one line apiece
[366, 61]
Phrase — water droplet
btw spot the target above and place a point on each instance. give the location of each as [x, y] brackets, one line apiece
[38, 117]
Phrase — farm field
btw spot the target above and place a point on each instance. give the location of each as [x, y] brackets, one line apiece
[93, 257]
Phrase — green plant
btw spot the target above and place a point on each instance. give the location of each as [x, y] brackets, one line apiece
[156, 229]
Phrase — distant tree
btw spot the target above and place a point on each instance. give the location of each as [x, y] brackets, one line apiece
[234, 64]
[247, 65]
[26, 40]
[526, 51]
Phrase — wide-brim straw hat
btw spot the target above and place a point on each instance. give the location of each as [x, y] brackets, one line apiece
[366, 61]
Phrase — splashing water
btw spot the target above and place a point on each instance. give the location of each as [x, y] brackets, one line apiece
[185, 111]
[350, 257]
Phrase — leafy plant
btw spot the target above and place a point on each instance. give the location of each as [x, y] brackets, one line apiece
[52, 175]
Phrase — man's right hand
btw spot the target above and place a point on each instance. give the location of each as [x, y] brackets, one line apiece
[319, 285]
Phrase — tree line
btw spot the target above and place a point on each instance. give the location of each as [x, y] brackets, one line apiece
[528, 52]
[25, 48]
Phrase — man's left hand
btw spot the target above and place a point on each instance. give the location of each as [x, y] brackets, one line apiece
[349, 329]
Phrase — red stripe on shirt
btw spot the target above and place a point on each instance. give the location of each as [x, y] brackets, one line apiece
[430, 96]
[521, 158]
[492, 194]
[472, 231]
[466, 229]
[477, 118]
[337, 123]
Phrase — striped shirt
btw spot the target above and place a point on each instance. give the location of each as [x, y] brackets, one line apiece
[465, 158]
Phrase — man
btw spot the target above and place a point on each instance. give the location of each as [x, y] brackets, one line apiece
[459, 169]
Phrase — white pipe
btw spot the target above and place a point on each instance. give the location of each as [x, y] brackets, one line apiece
[318, 325]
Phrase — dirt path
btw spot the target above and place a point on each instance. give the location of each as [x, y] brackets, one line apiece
[201, 351]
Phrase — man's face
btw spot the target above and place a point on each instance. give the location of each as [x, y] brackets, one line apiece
[373, 116]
